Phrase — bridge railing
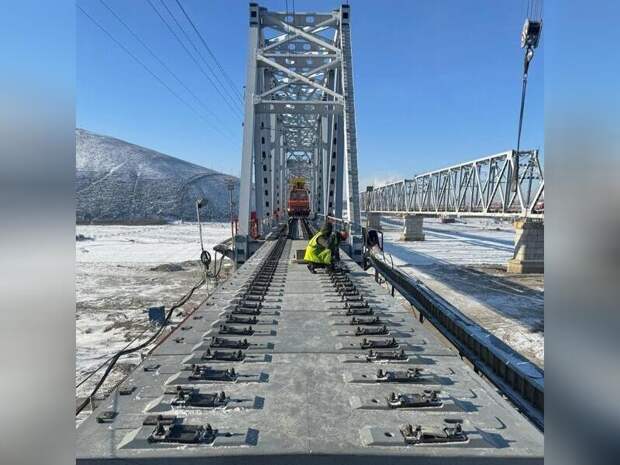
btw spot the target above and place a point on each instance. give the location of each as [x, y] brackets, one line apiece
[486, 187]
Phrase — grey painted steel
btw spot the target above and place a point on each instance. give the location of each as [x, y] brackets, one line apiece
[305, 392]
[245, 189]
[518, 378]
[480, 188]
[299, 90]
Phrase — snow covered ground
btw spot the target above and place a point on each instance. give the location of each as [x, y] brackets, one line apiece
[116, 283]
[464, 262]
[147, 244]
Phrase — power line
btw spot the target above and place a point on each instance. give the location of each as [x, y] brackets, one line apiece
[232, 106]
[176, 36]
[200, 102]
[141, 63]
[204, 42]
[223, 87]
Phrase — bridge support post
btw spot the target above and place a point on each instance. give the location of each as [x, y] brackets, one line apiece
[373, 221]
[241, 251]
[529, 254]
[413, 228]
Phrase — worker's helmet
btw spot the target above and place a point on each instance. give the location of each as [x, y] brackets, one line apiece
[344, 235]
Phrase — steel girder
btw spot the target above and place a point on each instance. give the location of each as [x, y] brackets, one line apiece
[481, 188]
[299, 116]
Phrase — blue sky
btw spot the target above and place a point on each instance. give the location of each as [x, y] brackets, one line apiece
[437, 81]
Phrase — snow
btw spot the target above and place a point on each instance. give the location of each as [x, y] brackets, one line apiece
[464, 262]
[115, 284]
[169, 243]
[123, 183]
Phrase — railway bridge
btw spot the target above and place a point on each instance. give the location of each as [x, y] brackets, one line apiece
[282, 365]
[508, 185]
[300, 121]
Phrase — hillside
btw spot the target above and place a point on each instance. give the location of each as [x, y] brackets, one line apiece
[120, 182]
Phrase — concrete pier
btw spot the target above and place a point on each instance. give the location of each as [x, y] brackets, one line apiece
[373, 221]
[413, 228]
[529, 254]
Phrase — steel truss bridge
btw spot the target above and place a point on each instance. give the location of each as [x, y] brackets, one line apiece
[486, 187]
[280, 365]
[299, 119]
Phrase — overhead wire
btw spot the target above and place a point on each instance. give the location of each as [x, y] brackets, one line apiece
[541, 4]
[232, 105]
[204, 42]
[167, 68]
[141, 63]
[192, 57]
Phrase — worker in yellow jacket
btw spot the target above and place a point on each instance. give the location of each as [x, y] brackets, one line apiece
[322, 249]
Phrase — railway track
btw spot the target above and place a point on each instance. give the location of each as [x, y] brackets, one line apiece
[283, 366]
[299, 229]
[517, 378]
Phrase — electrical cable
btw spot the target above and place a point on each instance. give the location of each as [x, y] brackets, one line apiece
[90, 375]
[141, 63]
[167, 68]
[204, 42]
[231, 104]
[122, 352]
[192, 57]
[217, 273]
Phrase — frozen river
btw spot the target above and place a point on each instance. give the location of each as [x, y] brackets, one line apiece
[117, 280]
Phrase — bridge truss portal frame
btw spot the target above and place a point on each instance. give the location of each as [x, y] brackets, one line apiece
[299, 118]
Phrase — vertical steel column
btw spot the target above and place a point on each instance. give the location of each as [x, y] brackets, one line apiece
[275, 172]
[260, 156]
[337, 179]
[325, 154]
[267, 173]
[317, 170]
[510, 167]
[350, 139]
[245, 188]
[282, 180]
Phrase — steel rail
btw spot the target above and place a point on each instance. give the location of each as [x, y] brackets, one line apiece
[516, 377]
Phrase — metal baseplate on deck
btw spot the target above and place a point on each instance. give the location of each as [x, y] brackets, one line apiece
[308, 383]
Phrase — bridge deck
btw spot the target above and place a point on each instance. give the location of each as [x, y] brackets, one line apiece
[306, 392]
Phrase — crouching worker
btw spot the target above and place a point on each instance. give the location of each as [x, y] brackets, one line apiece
[322, 249]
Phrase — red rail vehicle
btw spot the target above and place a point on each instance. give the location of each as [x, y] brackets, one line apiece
[298, 199]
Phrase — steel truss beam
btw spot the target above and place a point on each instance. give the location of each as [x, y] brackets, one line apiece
[481, 188]
[299, 116]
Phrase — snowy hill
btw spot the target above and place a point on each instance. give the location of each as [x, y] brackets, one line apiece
[119, 182]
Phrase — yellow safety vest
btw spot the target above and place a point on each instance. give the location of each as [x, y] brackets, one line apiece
[316, 253]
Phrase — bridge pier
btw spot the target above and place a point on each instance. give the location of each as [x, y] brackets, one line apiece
[373, 221]
[529, 253]
[413, 228]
